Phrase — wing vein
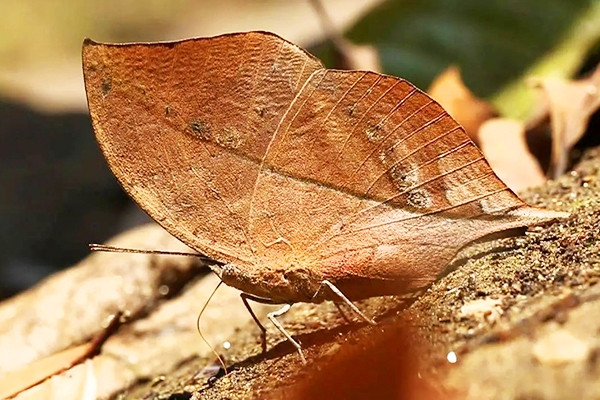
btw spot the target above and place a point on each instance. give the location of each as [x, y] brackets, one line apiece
[322, 124]
[420, 184]
[388, 169]
[341, 151]
[264, 157]
[414, 216]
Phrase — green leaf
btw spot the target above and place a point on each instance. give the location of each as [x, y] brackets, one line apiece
[496, 43]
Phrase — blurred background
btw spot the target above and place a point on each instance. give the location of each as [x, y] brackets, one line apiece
[56, 193]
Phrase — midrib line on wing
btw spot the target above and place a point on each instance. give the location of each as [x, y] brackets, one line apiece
[266, 167]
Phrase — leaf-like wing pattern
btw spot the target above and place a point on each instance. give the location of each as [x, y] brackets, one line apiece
[245, 148]
[184, 126]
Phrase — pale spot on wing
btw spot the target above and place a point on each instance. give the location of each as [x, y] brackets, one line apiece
[229, 137]
[200, 129]
[497, 204]
[419, 198]
[487, 206]
[374, 134]
[453, 195]
[402, 178]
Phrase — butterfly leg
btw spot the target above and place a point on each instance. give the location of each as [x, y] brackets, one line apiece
[263, 331]
[338, 305]
[344, 299]
[273, 317]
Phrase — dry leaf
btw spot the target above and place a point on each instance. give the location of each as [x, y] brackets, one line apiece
[570, 105]
[470, 111]
[147, 347]
[155, 345]
[385, 366]
[248, 150]
[14, 382]
[503, 143]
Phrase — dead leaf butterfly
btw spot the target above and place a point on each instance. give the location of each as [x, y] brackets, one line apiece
[304, 183]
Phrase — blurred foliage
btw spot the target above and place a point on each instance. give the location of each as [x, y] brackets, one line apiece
[37, 30]
[495, 43]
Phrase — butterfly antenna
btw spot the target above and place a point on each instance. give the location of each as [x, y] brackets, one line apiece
[200, 330]
[115, 249]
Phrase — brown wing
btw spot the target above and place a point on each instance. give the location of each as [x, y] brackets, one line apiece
[184, 126]
[369, 177]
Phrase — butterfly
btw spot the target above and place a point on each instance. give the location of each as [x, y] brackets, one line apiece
[304, 183]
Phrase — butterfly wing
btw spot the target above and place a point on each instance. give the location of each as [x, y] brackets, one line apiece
[368, 178]
[185, 125]
[247, 150]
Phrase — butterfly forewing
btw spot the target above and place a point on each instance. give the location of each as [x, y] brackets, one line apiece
[184, 127]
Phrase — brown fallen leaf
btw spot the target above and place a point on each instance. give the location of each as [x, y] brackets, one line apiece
[14, 382]
[305, 184]
[385, 366]
[569, 104]
[504, 144]
[470, 111]
[156, 344]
